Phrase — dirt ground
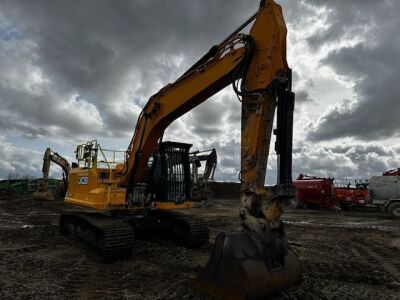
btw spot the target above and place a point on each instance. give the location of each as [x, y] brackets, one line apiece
[345, 255]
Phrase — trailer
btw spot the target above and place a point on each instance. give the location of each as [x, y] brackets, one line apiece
[384, 191]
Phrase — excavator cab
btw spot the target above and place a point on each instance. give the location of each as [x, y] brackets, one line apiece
[169, 172]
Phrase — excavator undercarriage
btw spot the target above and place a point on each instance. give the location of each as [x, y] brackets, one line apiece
[110, 237]
[111, 234]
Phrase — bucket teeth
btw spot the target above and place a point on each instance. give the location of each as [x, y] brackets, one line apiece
[242, 266]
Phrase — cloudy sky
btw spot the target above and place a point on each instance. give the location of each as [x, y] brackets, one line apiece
[73, 71]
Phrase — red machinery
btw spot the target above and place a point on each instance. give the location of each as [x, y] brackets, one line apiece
[345, 195]
[311, 190]
[361, 192]
[394, 172]
[359, 196]
[348, 194]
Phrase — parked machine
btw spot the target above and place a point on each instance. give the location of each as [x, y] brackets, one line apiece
[344, 192]
[344, 196]
[361, 192]
[140, 196]
[351, 192]
[394, 172]
[201, 189]
[43, 192]
[314, 191]
[384, 191]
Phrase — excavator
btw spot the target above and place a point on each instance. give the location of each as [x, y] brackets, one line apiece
[201, 189]
[43, 192]
[116, 202]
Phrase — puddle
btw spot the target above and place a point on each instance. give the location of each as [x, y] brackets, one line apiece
[27, 226]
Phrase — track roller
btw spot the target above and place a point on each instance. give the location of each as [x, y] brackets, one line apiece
[187, 231]
[108, 238]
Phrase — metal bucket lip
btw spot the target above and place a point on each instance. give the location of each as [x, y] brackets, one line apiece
[215, 257]
[246, 275]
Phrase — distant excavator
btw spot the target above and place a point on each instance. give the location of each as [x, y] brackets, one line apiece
[201, 189]
[140, 196]
[43, 192]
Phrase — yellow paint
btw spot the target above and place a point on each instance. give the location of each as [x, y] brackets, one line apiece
[100, 195]
[171, 205]
[86, 188]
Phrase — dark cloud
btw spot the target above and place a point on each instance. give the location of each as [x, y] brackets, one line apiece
[302, 96]
[344, 161]
[345, 19]
[372, 64]
[111, 55]
[360, 151]
[208, 118]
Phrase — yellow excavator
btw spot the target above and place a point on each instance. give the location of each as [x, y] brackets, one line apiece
[142, 195]
[201, 189]
[43, 192]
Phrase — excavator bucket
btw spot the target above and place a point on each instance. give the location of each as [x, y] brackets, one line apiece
[43, 195]
[243, 267]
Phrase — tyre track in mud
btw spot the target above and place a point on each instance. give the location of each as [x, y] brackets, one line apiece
[336, 267]
[384, 255]
[90, 280]
[26, 269]
[155, 271]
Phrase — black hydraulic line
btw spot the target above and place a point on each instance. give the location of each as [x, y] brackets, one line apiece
[210, 54]
[214, 49]
[284, 131]
[247, 22]
[243, 66]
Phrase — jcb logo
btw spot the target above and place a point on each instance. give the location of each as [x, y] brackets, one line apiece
[83, 180]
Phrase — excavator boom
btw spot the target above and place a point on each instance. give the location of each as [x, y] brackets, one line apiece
[258, 62]
[258, 59]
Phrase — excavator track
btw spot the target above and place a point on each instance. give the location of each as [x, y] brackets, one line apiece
[188, 231]
[106, 237]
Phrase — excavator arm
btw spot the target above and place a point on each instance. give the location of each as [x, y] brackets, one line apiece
[257, 261]
[258, 59]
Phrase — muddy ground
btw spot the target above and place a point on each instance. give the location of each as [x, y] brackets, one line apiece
[345, 255]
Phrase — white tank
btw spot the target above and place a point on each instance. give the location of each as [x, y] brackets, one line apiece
[384, 188]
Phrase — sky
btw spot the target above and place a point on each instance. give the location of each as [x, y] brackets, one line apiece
[73, 71]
